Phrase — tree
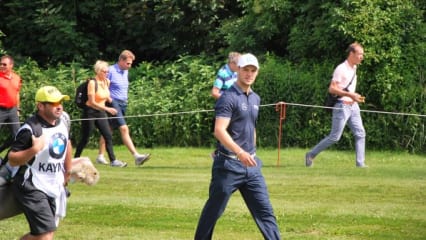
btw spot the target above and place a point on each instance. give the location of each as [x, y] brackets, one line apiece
[44, 30]
[53, 31]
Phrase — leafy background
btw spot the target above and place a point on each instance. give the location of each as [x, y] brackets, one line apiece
[180, 45]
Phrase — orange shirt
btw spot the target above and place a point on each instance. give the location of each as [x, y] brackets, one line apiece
[10, 84]
[102, 94]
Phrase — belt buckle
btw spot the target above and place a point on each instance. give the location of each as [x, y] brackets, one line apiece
[233, 156]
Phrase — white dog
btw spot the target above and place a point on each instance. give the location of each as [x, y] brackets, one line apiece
[82, 171]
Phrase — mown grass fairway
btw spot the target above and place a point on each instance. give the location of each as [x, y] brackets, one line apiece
[333, 200]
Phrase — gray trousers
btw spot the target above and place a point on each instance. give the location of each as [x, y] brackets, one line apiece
[9, 117]
[343, 114]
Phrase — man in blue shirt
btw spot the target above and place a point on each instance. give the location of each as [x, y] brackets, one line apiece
[236, 166]
[119, 87]
[226, 76]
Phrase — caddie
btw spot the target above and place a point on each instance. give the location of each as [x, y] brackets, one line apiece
[44, 163]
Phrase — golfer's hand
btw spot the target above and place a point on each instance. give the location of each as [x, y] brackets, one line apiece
[247, 159]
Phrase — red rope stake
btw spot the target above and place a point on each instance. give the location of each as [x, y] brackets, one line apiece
[281, 107]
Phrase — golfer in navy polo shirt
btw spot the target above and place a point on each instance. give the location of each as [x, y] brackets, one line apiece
[236, 166]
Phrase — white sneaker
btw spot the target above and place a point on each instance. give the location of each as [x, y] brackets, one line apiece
[142, 158]
[101, 160]
[118, 163]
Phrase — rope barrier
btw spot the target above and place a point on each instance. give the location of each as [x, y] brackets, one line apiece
[279, 107]
[368, 111]
[148, 115]
[263, 105]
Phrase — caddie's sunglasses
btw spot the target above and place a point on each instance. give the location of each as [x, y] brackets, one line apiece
[54, 104]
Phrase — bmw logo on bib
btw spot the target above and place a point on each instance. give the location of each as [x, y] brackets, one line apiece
[57, 145]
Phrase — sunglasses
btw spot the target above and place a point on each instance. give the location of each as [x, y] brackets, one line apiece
[54, 104]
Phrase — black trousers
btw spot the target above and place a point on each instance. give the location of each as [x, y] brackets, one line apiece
[91, 118]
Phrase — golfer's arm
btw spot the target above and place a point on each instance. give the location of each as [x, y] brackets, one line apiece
[254, 143]
[223, 136]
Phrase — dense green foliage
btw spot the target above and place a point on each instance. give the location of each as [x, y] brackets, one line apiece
[180, 45]
[52, 31]
[170, 104]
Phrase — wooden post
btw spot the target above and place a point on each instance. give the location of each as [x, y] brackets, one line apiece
[281, 107]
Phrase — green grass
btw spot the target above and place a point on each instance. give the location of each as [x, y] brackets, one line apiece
[333, 200]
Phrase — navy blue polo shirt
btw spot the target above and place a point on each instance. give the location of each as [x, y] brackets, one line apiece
[243, 110]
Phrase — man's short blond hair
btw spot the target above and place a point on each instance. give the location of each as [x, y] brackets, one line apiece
[233, 57]
[125, 54]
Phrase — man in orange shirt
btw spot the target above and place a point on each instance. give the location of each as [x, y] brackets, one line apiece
[10, 84]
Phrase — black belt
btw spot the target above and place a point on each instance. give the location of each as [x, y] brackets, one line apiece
[232, 155]
[5, 108]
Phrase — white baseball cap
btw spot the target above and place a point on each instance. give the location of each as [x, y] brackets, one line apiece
[248, 59]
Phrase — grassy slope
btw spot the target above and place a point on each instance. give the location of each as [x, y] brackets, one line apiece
[332, 200]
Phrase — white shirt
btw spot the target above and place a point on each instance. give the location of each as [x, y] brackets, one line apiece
[342, 75]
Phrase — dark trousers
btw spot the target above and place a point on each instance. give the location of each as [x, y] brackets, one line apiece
[38, 207]
[9, 116]
[229, 175]
[99, 119]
